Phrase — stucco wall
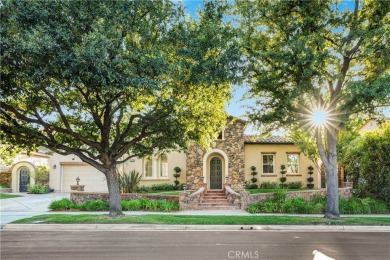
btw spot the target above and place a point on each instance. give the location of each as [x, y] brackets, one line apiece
[253, 157]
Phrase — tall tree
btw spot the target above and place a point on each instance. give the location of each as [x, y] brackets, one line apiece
[112, 80]
[316, 58]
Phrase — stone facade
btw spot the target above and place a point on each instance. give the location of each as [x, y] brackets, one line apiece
[231, 145]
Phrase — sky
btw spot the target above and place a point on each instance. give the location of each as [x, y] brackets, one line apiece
[238, 106]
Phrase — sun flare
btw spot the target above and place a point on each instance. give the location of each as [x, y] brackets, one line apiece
[319, 117]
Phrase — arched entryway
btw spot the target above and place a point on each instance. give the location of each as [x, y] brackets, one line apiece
[215, 173]
[23, 174]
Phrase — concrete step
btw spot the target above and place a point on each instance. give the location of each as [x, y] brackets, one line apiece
[217, 207]
[210, 199]
[215, 197]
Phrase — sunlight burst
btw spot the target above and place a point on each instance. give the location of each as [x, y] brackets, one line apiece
[319, 117]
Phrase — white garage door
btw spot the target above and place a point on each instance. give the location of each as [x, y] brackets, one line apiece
[93, 180]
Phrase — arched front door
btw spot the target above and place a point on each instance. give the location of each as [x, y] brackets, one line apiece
[23, 180]
[216, 173]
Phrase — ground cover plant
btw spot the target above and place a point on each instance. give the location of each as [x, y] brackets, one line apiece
[317, 205]
[131, 205]
[38, 189]
[201, 220]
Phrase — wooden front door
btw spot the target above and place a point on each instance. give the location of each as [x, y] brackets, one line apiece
[23, 180]
[216, 173]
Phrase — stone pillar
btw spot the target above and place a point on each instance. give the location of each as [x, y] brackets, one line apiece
[245, 199]
[183, 200]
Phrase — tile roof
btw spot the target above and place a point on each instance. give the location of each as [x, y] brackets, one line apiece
[252, 139]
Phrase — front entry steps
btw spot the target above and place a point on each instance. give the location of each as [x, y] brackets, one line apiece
[215, 200]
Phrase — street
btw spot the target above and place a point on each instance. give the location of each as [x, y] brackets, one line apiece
[192, 245]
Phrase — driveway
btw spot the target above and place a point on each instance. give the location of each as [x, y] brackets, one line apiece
[27, 206]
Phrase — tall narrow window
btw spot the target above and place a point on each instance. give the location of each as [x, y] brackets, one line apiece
[163, 165]
[268, 163]
[293, 163]
[148, 168]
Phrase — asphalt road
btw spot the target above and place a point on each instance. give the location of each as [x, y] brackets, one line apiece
[192, 245]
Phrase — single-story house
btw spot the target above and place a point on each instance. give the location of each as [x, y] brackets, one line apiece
[229, 160]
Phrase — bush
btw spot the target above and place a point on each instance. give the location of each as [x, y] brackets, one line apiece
[38, 189]
[96, 205]
[310, 179]
[269, 185]
[282, 179]
[295, 185]
[279, 204]
[254, 180]
[310, 185]
[252, 186]
[129, 181]
[41, 175]
[132, 205]
[2, 185]
[62, 204]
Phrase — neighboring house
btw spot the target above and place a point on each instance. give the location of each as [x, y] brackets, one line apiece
[229, 160]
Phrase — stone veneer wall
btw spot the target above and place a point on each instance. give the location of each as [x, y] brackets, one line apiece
[81, 197]
[232, 145]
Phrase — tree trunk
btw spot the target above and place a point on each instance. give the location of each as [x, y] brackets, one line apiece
[114, 193]
[332, 187]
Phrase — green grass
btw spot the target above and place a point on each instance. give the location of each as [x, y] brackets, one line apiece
[201, 220]
[170, 192]
[8, 196]
[3, 186]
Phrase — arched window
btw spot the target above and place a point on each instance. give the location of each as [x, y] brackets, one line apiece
[148, 167]
[163, 165]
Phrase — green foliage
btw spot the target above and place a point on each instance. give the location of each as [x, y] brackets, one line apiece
[99, 205]
[310, 179]
[253, 173]
[254, 180]
[177, 169]
[176, 175]
[252, 186]
[42, 175]
[269, 185]
[112, 80]
[294, 185]
[310, 185]
[367, 163]
[160, 187]
[279, 204]
[128, 182]
[283, 180]
[96, 205]
[62, 204]
[38, 189]
[3, 186]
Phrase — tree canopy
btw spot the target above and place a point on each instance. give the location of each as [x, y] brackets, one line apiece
[305, 56]
[112, 80]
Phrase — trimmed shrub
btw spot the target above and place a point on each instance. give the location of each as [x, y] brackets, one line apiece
[269, 185]
[252, 186]
[38, 189]
[310, 185]
[294, 185]
[61, 205]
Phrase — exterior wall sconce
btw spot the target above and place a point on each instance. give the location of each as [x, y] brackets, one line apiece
[78, 180]
[185, 187]
[54, 166]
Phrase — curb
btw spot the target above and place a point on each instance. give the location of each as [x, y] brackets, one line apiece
[148, 227]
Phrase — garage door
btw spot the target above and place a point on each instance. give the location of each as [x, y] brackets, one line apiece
[93, 180]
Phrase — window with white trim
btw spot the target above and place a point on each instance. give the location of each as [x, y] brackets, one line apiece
[268, 163]
[148, 167]
[164, 166]
[293, 163]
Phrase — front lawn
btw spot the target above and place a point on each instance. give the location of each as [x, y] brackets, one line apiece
[201, 220]
[8, 196]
